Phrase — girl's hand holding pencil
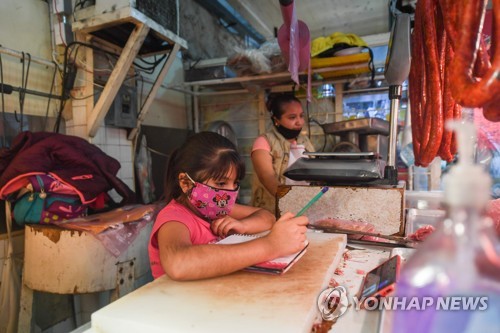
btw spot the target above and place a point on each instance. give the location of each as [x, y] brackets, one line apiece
[288, 234]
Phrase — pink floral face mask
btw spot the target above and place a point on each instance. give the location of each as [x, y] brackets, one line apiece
[211, 202]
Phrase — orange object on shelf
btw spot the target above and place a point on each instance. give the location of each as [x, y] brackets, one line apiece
[340, 60]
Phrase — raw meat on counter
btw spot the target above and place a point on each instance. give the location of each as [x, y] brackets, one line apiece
[351, 225]
[421, 233]
[493, 211]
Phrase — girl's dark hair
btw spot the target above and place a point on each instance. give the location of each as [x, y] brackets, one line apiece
[275, 103]
[203, 156]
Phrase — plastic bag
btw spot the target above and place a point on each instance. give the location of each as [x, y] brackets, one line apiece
[10, 288]
[118, 238]
[272, 51]
[116, 229]
[249, 62]
[143, 167]
[97, 223]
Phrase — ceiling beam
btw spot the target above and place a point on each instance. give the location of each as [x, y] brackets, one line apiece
[253, 16]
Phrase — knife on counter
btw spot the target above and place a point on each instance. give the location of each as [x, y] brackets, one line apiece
[397, 239]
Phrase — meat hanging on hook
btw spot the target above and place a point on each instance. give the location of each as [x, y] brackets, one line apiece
[450, 68]
[469, 87]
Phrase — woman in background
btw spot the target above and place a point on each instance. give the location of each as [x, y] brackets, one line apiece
[274, 151]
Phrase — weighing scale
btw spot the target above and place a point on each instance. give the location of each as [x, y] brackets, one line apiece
[359, 158]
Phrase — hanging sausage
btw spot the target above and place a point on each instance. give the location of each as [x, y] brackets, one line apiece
[450, 68]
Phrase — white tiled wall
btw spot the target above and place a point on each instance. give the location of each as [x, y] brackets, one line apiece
[112, 141]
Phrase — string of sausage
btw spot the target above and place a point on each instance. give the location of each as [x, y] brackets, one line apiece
[416, 82]
[425, 84]
[470, 88]
[450, 67]
[434, 106]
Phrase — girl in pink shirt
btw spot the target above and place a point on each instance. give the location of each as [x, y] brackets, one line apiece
[201, 187]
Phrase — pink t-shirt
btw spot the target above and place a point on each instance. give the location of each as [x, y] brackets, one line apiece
[199, 230]
[261, 143]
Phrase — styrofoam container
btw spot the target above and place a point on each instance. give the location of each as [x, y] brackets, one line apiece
[418, 218]
[424, 199]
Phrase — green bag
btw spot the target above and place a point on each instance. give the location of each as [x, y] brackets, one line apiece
[28, 208]
[39, 206]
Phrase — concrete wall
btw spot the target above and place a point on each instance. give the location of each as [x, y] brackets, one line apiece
[207, 38]
[24, 26]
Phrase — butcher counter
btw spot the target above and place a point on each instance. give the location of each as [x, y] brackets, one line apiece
[252, 302]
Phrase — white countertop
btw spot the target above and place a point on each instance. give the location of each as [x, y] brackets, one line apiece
[239, 302]
[348, 271]
[352, 273]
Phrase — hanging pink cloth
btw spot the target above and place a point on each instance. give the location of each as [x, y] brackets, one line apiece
[294, 40]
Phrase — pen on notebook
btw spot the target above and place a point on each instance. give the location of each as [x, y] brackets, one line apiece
[313, 200]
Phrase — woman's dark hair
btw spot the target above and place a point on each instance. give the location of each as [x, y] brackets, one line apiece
[275, 103]
[203, 156]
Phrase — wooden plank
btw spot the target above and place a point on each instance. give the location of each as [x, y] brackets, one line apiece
[154, 90]
[116, 79]
[124, 15]
[339, 102]
[88, 75]
[273, 76]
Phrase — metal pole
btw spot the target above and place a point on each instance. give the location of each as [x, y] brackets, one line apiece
[7, 89]
[196, 110]
[391, 172]
[394, 96]
[19, 55]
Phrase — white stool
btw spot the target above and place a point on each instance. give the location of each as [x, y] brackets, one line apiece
[63, 261]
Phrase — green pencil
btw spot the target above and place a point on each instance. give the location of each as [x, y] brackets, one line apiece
[313, 200]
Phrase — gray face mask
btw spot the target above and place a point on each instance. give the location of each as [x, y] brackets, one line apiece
[288, 133]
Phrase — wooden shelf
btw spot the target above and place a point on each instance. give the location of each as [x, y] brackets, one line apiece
[329, 70]
[136, 35]
[122, 19]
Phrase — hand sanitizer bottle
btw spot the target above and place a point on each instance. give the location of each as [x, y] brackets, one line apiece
[452, 282]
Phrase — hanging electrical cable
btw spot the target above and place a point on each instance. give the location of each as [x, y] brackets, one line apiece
[324, 134]
[22, 91]
[70, 68]
[371, 66]
[50, 95]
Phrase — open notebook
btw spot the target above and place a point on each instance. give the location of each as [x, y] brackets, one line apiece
[276, 266]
